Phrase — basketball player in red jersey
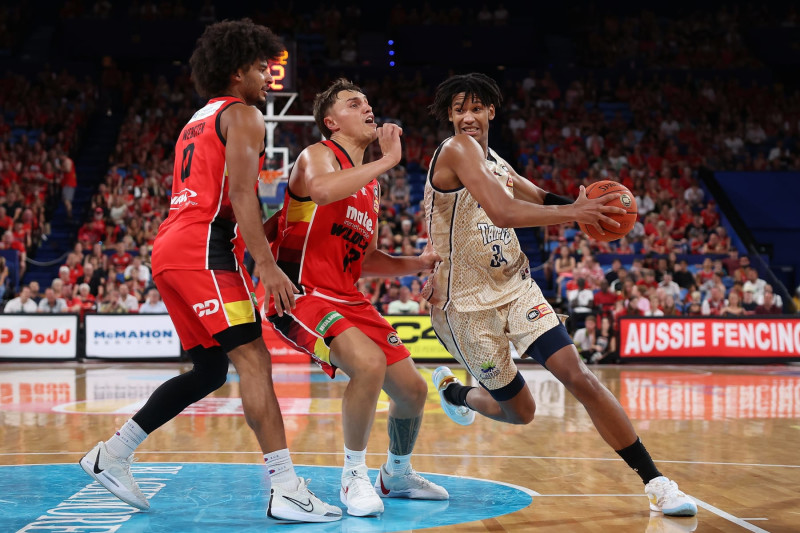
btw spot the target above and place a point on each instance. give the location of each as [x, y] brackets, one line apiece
[325, 239]
[197, 266]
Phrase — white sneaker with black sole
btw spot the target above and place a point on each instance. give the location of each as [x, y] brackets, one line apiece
[115, 475]
[300, 505]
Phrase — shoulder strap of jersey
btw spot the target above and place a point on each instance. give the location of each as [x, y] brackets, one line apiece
[229, 101]
[341, 155]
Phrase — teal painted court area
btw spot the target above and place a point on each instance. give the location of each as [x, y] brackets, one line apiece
[212, 497]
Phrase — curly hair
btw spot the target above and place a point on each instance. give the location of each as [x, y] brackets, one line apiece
[226, 47]
[475, 84]
[324, 101]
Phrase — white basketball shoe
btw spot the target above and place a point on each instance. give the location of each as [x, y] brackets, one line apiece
[442, 378]
[115, 475]
[665, 496]
[357, 493]
[300, 505]
[409, 485]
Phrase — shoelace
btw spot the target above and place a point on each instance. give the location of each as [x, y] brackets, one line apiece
[304, 483]
[667, 489]
[418, 479]
[360, 484]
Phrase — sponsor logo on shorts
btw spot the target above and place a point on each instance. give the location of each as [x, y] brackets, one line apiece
[327, 321]
[209, 307]
[489, 369]
[254, 299]
[534, 313]
[393, 339]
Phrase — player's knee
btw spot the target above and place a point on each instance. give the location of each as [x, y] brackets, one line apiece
[582, 384]
[372, 366]
[210, 368]
[521, 414]
[417, 392]
[524, 417]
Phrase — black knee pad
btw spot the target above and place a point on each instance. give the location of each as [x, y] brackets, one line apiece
[210, 369]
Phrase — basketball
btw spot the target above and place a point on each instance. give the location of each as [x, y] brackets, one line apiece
[626, 201]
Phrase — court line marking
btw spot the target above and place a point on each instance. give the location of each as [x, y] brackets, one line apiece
[464, 456]
[708, 507]
[729, 517]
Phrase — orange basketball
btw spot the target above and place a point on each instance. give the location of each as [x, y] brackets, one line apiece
[626, 201]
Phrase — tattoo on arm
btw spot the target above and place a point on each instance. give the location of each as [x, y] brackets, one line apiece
[403, 434]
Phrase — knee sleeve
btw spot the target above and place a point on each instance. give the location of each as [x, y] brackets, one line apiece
[173, 396]
[210, 369]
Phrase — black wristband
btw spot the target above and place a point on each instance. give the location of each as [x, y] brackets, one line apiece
[554, 199]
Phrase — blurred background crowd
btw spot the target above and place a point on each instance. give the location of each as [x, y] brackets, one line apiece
[656, 101]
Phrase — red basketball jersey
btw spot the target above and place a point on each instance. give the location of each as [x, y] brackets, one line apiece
[200, 231]
[321, 247]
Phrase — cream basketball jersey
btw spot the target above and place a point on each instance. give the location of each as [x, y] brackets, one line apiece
[482, 265]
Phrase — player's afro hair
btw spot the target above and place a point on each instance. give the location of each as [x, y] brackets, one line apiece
[473, 85]
[226, 47]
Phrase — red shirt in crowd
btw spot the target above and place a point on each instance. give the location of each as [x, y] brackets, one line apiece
[121, 261]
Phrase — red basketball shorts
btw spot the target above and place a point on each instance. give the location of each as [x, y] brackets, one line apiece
[203, 303]
[316, 321]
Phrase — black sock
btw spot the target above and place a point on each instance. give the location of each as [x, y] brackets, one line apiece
[456, 394]
[636, 457]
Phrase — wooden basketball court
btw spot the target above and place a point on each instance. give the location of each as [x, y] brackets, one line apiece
[729, 436]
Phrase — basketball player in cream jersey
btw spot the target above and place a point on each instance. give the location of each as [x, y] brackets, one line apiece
[482, 294]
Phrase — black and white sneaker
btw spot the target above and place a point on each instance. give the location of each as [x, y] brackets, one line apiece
[115, 475]
[300, 505]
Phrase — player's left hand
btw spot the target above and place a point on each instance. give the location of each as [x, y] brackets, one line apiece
[428, 258]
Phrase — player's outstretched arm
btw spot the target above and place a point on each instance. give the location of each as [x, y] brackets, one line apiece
[464, 157]
[326, 183]
[244, 133]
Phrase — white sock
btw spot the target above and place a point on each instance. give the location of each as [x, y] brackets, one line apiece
[126, 440]
[353, 459]
[397, 465]
[280, 468]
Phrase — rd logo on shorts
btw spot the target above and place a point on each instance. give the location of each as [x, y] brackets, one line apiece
[209, 307]
[540, 310]
[393, 339]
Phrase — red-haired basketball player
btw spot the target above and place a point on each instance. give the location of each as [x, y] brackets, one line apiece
[325, 240]
[197, 266]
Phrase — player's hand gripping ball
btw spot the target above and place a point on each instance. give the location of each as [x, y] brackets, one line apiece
[626, 201]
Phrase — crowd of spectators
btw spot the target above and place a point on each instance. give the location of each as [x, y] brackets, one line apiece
[697, 39]
[560, 134]
[41, 120]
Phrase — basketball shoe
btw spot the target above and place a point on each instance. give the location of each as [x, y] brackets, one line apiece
[357, 493]
[442, 378]
[300, 505]
[115, 475]
[665, 496]
[409, 485]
